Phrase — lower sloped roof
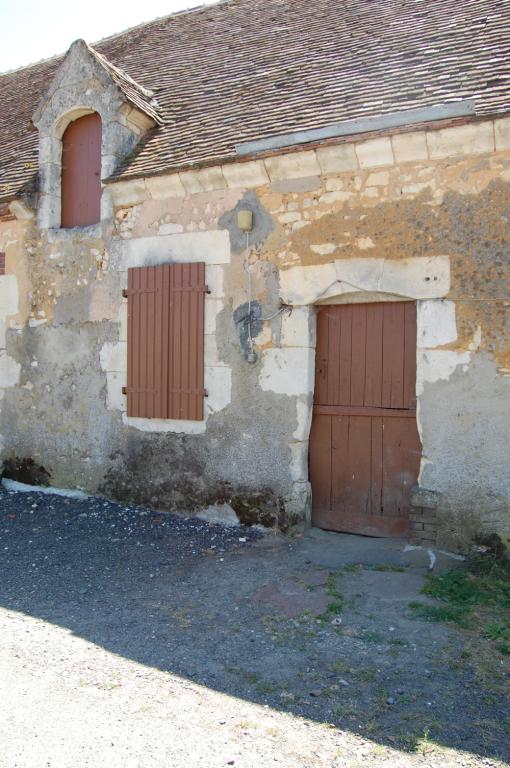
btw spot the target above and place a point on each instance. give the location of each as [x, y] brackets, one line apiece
[247, 69]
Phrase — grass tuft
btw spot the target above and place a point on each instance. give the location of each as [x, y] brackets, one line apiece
[475, 597]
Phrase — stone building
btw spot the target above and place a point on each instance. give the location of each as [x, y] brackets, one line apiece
[304, 209]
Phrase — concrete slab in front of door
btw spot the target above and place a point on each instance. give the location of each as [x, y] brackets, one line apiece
[334, 551]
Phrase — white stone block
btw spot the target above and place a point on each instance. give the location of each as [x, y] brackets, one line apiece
[212, 309]
[50, 150]
[203, 180]
[8, 295]
[288, 217]
[130, 192]
[113, 356]
[49, 211]
[288, 371]
[299, 461]
[410, 146]
[108, 165]
[211, 247]
[218, 384]
[178, 426]
[304, 419]
[211, 350]
[436, 323]
[338, 158]
[298, 328]
[421, 277]
[115, 400]
[9, 371]
[374, 153]
[20, 210]
[502, 133]
[292, 166]
[214, 275]
[245, 175]
[378, 179]
[160, 187]
[304, 285]
[471, 139]
[323, 249]
[123, 321]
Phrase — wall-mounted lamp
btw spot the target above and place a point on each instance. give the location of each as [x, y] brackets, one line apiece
[245, 220]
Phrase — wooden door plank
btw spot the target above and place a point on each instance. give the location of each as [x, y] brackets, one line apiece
[343, 394]
[376, 466]
[321, 358]
[393, 356]
[350, 484]
[374, 356]
[358, 353]
[410, 341]
[333, 350]
[401, 463]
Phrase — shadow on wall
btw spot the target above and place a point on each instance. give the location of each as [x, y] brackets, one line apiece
[179, 595]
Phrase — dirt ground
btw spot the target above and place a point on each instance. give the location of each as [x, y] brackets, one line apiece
[135, 639]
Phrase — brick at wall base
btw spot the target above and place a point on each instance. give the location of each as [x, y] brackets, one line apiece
[422, 517]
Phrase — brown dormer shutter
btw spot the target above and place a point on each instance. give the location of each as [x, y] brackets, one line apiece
[165, 377]
[81, 172]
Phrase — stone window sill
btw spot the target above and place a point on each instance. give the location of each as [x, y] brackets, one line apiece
[59, 233]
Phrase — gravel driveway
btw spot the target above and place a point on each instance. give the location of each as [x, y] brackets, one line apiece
[135, 639]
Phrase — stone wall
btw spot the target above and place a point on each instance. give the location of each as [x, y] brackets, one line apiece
[421, 215]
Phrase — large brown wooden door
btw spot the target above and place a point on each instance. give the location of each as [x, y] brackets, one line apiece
[364, 444]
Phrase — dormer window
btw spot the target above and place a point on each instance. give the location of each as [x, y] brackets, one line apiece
[81, 172]
[90, 119]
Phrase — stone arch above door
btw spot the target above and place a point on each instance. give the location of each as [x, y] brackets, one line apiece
[426, 277]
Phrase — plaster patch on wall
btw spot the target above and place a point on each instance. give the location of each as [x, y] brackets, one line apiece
[420, 277]
[436, 323]
[288, 371]
[435, 364]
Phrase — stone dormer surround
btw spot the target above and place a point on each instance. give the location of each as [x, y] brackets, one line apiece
[84, 84]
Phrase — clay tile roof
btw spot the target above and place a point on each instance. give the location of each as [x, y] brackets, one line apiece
[141, 97]
[243, 70]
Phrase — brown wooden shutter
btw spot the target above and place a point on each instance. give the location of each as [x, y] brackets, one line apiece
[165, 377]
[2, 263]
[81, 172]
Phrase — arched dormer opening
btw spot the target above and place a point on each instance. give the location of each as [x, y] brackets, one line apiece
[86, 85]
[81, 172]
